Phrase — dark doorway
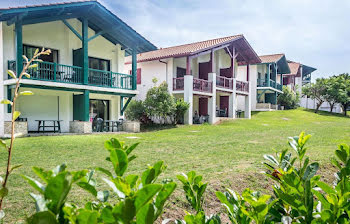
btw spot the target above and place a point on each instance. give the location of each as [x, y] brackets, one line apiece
[224, 106]
[204, 69]
[203, 106]
[99, 109]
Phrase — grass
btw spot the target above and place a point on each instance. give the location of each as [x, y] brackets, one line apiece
[228, 154]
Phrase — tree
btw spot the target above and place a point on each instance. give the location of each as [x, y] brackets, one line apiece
[331, 92]
[289, 99]
[342, 85]
[159, 102]
[316, 91]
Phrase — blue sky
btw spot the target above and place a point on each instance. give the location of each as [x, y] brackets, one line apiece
[313, 32]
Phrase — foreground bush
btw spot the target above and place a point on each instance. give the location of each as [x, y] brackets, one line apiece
[298, 194]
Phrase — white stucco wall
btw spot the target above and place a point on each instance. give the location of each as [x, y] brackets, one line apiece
[242, 75]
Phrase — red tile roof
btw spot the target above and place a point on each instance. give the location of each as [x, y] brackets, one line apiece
[24, 4]
[294, 67]
[186, 49]
[270, 58]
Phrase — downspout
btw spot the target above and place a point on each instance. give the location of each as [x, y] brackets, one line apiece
[166, 70]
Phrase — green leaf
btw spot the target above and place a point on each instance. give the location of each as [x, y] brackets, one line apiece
[40, 202]
[3, 144]
[88, 187]
[122, 186]
[310, 171]
[107, 215]
[145, 194]
[131, 148]
[33, 66]
[57, 190]
[36, 51]
[87, 217]
[15, 167]
[26, 75]
[131, 180]
[326, 188]
[341, 154]
[45, 217]
[5, 102]
[3, 192]
[163, 196]
[103, 170]
[26, 93]
[42, 174]
[103, 196]
[146, 215]
[16, 114]
[35, 184]
[25, 58]
[119, 160]
[113, 144]
[12, 74]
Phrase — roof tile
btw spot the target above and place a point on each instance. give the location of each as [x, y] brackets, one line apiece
[270, 58]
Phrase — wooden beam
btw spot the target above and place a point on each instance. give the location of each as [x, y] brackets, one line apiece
[17, 18]
[72, 29]
[248, 72]
[188, 66]
[51, 18]
[19, 47]
[84, 39]
[125, 105]
[101, 32]
[233, 63]
[229, 52]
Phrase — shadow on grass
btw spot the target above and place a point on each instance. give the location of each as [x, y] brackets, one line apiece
[325, 113]
[156, 127]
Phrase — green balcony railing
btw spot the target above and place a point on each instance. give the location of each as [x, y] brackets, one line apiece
[270, 83]
[48, 71]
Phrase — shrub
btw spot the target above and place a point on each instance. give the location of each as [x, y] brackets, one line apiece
[180, 109]
[136, 111]
[159, 102]
[289, 99]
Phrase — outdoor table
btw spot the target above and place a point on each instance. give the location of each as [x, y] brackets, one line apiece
[55, 124]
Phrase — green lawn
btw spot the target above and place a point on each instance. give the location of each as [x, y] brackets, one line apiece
[229, 154]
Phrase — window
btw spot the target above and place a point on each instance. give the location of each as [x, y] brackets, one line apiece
[138, 79]
[99, 64]
[28, 51]
[138, 75]
[180, 72]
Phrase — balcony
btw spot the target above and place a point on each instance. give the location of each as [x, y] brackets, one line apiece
[268, 83]
[242, 86]
[54, 72]
[199, 85]
[224, 82]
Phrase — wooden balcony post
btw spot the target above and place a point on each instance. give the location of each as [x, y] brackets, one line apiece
[85, 46]
[248, 72]
[268, 75]
[19, 47]
[188, 66]
[134, 69]
[233, 62]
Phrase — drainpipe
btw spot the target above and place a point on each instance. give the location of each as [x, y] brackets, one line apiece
[166, 70]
